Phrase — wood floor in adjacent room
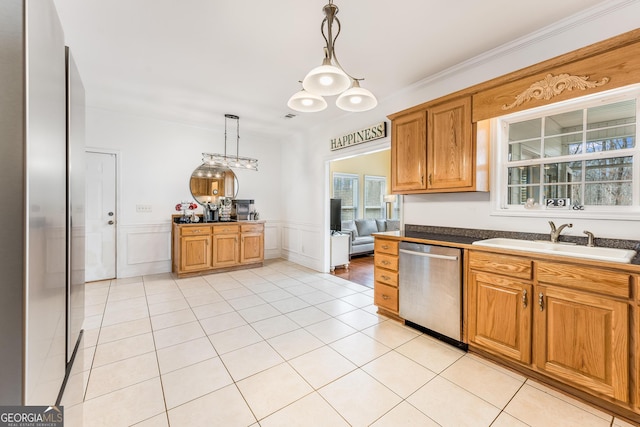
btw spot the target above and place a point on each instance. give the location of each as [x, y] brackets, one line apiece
[360, 270]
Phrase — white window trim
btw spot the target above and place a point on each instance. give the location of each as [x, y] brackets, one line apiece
[356, 195]
[499, 150]
[381, 206]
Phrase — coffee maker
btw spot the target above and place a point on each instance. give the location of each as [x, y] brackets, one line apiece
[210, 212]
[240, 209]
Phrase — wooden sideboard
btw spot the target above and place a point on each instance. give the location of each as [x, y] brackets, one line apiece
[198, 248]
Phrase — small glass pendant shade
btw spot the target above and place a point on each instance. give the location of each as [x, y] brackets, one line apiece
[326, 80]
[306, 102]
[356, 99]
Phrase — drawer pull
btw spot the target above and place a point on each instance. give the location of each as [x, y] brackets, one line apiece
[541, 301]
[386, 277]
[385, 262]
[385, 297]
[385, 246]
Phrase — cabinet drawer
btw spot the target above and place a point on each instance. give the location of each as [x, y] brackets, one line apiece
[585, 278]
[224, 229]
[385, 246]
[501, 264]
[386, 297]
[194, 231]
[385, 276]
[252, 228]
[389, 262]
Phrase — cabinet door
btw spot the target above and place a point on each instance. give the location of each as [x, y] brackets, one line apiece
[450, 157]
[195, 253]
[583, 339]
[225, 250]
[409, 152]
[499, 317]
[251, 248]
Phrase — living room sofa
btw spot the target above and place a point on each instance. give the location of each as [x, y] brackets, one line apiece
[361, 230]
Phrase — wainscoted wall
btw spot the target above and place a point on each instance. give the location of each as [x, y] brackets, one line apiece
[146, 248]
[303, 243]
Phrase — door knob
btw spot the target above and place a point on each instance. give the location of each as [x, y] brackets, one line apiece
[111, 222]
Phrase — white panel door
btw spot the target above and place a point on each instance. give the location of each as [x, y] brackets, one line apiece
[101, 216]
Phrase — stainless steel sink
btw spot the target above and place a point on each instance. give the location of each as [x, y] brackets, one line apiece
[603, 254]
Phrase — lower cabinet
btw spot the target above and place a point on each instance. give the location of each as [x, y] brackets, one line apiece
[583, 339]
[385, 272]
[499, 316]
[225, 249]
[203, 248]
[571, 323]
[195, 253]
[251, 243]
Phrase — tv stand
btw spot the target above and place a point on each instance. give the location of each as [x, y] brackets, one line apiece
[339, 250]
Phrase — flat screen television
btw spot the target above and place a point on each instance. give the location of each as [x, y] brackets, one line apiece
[335, 212]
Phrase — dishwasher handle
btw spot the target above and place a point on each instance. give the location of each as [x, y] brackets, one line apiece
[428, 255]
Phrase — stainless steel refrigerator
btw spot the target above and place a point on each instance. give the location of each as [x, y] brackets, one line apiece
[33, 203]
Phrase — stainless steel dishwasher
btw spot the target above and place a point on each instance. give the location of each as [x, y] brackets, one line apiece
[430, 287]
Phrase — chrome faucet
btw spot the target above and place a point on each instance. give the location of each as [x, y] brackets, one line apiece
[555, 233]
[590, 238]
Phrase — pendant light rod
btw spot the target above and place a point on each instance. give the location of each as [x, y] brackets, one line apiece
[226, 161]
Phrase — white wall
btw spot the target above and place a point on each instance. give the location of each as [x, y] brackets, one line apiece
[156, 159]
[305, 183]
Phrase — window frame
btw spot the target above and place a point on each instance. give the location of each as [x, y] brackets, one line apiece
[383, 190]
[500, 159]
[356, 195]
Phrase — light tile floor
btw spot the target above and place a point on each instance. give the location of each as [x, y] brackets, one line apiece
[283, 345]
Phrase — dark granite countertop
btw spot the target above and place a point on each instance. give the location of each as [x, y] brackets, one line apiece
[466, 236]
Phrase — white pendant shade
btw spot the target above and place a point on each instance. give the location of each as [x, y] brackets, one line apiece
[330, 79]
[356, 99]
[306, 102]
[326, 80]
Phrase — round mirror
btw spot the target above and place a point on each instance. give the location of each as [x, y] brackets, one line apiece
[209, 183]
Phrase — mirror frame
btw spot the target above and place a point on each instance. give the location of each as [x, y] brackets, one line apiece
[209, 172]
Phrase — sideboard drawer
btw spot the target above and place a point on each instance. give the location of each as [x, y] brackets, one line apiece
[194, 231]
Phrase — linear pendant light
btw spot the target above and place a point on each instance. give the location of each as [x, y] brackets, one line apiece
[330, 79]
[230, 161]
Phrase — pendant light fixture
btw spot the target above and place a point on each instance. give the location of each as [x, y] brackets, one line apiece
[229, 161]
[330, 78]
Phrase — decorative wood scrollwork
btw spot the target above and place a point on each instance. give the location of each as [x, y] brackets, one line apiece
[552, 86]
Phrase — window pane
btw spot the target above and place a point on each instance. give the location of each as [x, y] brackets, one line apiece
[608, 194]
[524, 150]
[562, 172]
[613, 169]
[617, 138]
[518, 195]
[563, 145]
[611, 114]
[563, 123]
[529, 129]
[374, 191]
[345, 188]
[524, 175]
[558, 191]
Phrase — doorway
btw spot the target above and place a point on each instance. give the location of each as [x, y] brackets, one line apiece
[101, 218]
[361, 182]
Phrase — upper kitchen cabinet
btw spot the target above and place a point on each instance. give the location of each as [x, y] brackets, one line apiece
[434, 149]
[450, 147]
[409, 152]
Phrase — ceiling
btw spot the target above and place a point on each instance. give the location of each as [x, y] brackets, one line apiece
[192, 61]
